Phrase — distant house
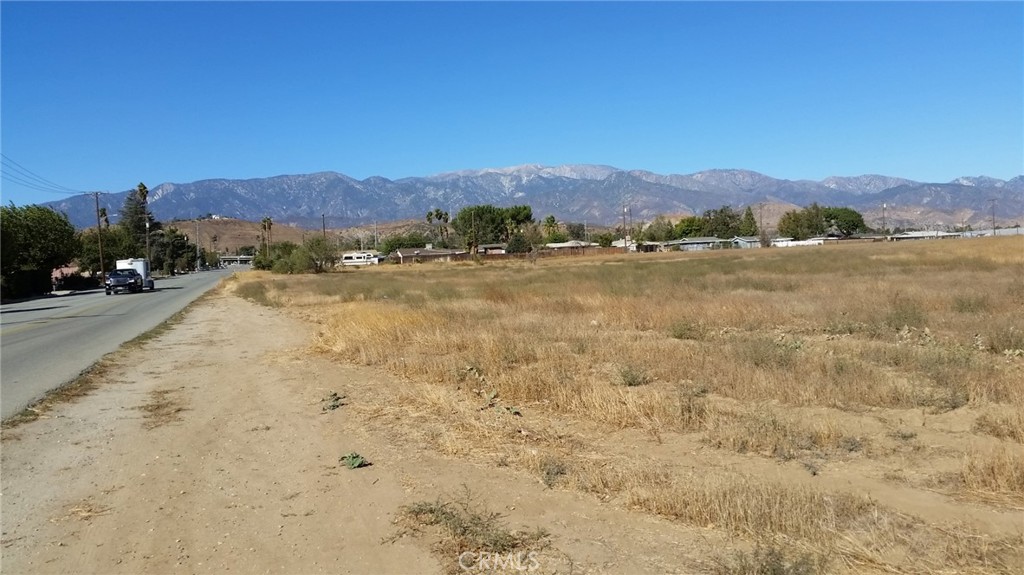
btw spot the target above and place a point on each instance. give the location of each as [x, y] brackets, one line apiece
[411, 255]
[791, 243]
[491, 249]
[571, 244]
[697, 244]
[746, 242]
[628, 242]
[924, 235]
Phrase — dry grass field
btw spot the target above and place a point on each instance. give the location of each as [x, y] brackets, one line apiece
[850, 408]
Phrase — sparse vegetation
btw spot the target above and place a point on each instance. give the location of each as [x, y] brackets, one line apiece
[859, 356]
[353, 460]
[465, 525]
[771, 560]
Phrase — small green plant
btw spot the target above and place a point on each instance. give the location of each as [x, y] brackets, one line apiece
[332, 401]
[633, 376]
[354, 460]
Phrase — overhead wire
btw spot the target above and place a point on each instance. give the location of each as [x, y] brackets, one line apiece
[15, 173]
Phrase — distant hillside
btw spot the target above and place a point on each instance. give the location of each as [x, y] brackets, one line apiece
[591, 193]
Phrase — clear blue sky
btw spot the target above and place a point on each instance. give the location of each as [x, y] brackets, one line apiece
[101, 96]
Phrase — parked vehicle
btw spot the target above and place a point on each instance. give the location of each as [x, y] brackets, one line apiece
[360, 258]
[123, 280]
[141, 266]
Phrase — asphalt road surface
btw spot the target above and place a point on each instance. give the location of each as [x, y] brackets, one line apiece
[47, 342]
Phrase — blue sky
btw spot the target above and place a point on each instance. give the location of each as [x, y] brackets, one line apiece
[100, 96]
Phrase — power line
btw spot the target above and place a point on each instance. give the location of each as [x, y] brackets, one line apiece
[16, 173]
[32, 186]
[25, 172]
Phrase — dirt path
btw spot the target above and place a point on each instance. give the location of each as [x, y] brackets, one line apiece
[208, 450]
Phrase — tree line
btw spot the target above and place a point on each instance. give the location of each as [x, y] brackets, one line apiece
[37, 240]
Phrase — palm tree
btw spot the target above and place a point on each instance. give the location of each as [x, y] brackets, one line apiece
[441, 217]
[267, 223]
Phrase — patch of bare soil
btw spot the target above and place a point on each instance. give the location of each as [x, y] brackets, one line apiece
[220, 448]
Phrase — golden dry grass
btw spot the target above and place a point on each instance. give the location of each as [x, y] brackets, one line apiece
[727, 347]
[994, 474]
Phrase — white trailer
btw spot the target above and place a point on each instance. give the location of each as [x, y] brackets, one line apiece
[140, 265]
[360, 258]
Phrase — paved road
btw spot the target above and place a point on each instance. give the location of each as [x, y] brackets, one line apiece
[45, 343]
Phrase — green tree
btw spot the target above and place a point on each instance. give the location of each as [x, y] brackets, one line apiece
[135, 215]
[36, 238]
[484, 224]
[689, 227]
[605, 239]
[516, 219]
[557, 237]
[399, 241]
[168, 246]
[441, 217]
[722, 223]
[52, 241]
[117, 245]
[12, 238]
[846, 221]
[322, 253]
[518, 244]
[803, 224]
[791, 225]
[748, 225]
[576, 231]
[265, 225]
[553, 233]
[660, 230]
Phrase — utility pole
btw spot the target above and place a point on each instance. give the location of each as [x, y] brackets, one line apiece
[625, 241]
[323, 222]
[197, 243]
[885, 230]
[99, 237]
[631, 222]
[375, 235]
[147, 238]
[993, 202]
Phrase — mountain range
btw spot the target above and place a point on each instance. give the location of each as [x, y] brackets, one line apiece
[582, 193]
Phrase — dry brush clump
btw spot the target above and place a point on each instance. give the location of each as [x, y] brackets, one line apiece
[831, 530]
[994, 474]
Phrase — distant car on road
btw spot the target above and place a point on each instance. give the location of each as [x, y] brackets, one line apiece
[123, 280]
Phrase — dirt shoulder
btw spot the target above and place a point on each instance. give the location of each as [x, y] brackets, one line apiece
[208, 449]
